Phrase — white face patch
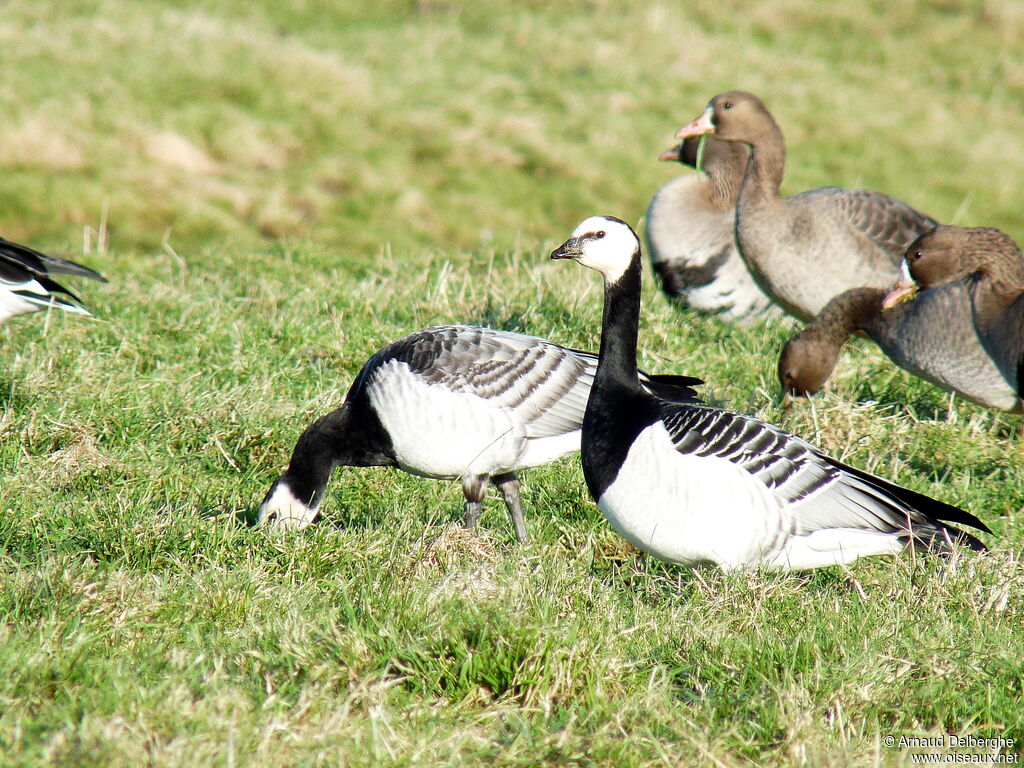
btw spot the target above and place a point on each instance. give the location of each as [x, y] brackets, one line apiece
[283, 512]
[905, 276]
[610, 253]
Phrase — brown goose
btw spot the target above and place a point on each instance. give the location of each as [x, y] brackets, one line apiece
[690, 231]
[988, 266]
[805, 249]
[933, 337]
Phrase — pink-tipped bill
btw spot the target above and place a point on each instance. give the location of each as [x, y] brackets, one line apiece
[698, 127]
[904, 290]
[671, 154]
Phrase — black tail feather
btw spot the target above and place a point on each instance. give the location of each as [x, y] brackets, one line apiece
[937, 541]
[678, 389]
[40, 264]
[938, 512]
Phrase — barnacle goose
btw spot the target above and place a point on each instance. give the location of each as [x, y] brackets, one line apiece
[454, 402]
[691, 484]
[25, 284]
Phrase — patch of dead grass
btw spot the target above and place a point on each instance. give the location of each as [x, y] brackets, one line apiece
[172, 150]
[36, 142]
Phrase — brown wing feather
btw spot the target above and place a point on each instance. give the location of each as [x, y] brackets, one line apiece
[888, 223]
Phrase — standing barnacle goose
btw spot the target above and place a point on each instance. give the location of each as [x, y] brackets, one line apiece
[455, 402]
[25, 284]
[692, 484]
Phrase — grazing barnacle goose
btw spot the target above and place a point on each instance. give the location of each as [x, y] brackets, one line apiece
[693, 484]
[455, 402]
[691, 237]
[805, 249]
[25, 284]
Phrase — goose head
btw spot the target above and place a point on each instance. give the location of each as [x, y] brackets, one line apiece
[805, 364]
[950, 253]
[603, 243]
[732, 116]
[282, 509]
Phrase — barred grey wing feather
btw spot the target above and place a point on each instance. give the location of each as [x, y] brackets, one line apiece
[890, 224]
[815, 494]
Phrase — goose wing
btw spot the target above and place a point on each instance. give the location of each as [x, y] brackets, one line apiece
[21, 284]
[14, 256]
[888, 223]
[816, 492]
[1003, 340]
[544, 384]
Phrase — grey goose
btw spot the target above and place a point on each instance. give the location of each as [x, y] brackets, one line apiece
[988, 267]
[26, 284]
[692, 484]
[453, 402]
[933, 337]
[805, 249]
[690, 232]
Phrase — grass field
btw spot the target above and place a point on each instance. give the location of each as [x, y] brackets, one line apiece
[276, 190]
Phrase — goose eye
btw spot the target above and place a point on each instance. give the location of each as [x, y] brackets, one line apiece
[916, 255]
[727, 105]
[599, 234]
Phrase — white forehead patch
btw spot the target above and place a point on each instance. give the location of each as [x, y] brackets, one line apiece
[905, 277]
[610, 253]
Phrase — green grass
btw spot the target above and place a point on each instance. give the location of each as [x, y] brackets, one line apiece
[276, 190]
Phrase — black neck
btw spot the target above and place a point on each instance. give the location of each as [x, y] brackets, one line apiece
[351, 436]
[619, 327]
[318, 451]
[618, 408]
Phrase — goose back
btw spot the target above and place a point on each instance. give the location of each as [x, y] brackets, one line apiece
[934, 337]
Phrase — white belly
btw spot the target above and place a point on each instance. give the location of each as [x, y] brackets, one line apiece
[690, 510]
[440, 433]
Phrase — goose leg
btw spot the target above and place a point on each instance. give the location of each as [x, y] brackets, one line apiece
[508, 484]
[474, 488]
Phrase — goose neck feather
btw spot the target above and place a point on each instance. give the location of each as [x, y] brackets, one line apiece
[855, 310]
[765, 168]
[350, 436]
[725, 164]
[621, 320]
[618, 408]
